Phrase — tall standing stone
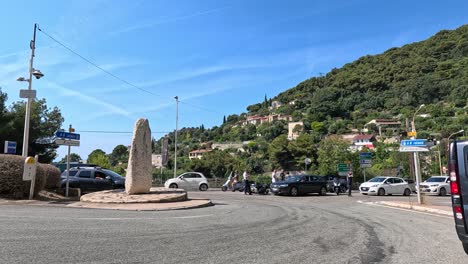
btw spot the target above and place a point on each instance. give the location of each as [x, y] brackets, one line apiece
[138, 179]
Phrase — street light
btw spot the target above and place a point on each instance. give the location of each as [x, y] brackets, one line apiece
[38, 74]
[175, 135]
[456, 133]
[413, 125]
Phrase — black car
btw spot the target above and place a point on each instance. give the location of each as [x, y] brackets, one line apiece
[300, 184]
[458, 172]
[91, 179]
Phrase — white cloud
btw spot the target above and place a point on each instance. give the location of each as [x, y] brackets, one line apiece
[89, 99]
[166, 20]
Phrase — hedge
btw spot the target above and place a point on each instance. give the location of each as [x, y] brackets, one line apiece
[11, 176]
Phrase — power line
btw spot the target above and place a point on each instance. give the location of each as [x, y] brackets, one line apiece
[199, 107]
[116, 132]
[97, 66]
[115, 76]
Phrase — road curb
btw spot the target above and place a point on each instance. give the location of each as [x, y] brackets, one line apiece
[186, 205]
[416, 208]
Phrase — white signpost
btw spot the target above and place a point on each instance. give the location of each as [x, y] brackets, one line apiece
[67, 139]
[415, 146]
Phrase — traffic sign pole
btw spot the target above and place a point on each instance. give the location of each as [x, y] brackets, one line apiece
[68, 166]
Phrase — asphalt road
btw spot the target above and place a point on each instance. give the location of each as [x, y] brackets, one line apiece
[238, 229]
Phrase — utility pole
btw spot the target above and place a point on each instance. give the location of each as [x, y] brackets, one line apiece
[410, 156]
[28, 104]
[175, 135]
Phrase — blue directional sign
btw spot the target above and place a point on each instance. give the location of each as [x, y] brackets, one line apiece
[10, 147]
[67, 135]
[414, 143]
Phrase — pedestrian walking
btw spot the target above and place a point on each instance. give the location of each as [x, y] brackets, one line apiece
[246, 177]
[350, 182]
[273, 176]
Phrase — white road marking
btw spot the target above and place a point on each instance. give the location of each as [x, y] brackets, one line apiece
[403, 209]
[191, 216]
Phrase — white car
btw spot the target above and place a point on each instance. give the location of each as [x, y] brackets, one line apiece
[382, 185]
[438, 185]
[188, 181]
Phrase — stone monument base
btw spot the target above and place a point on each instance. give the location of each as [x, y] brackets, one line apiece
[119, 196]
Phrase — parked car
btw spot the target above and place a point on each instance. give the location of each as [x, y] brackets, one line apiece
[91, 179]
[188, 181]
[383, 185]
[63, 166]
[300, 184]
[439, 185]
[458, 171]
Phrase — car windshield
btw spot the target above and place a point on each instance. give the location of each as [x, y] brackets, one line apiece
[435, 179]
[113, 174]
[72, 173]
[293, 178]
[378, 179]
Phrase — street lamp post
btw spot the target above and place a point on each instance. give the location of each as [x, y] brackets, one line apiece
[175, 135]
[417, 170]
[38, 74]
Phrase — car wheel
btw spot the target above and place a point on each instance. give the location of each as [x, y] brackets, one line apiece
[203, 187]
[323, 191]
[173, 186]
[381, 192]
[293, 191]
[442, 191]
[407, 192]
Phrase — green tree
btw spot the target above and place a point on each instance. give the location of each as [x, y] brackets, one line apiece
[100, 159]
[95, 153]
[279, 153]
[44, 122]
[119, 155]
[332, 151]
[73, 158]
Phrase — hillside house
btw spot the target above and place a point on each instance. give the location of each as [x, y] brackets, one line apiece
[198, 154]
[360, 141]
[385, 125]
[295, 129]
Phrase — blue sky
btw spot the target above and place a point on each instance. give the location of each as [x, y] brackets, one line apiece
[217, 56]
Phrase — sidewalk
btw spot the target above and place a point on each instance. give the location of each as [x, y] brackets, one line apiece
[428, 208]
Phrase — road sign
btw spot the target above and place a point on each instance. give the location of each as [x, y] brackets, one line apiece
[366, 161]
[413, 149]
[73, 143]
[29, 170]
[413, 143]
[366, 165]
[365, 155]
[307, 161]
[343, 169]
[67, 135]
[10, 147]
[411, 134]
[26, 93]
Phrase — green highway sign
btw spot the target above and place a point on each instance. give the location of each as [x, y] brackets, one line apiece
[343, 167]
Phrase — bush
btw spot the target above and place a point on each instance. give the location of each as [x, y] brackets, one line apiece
[11, 176]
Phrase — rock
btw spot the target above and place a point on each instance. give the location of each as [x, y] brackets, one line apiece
[139, 177]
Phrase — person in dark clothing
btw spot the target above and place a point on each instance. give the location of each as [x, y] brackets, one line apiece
[282, 175]
[247, 189]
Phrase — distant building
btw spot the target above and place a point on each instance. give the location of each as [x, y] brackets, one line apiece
[293, 131]
[361, 141]
[224, 146]
[258, 120]
[275, 105]
[387, 124]
[156, 160]
[198, 154]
